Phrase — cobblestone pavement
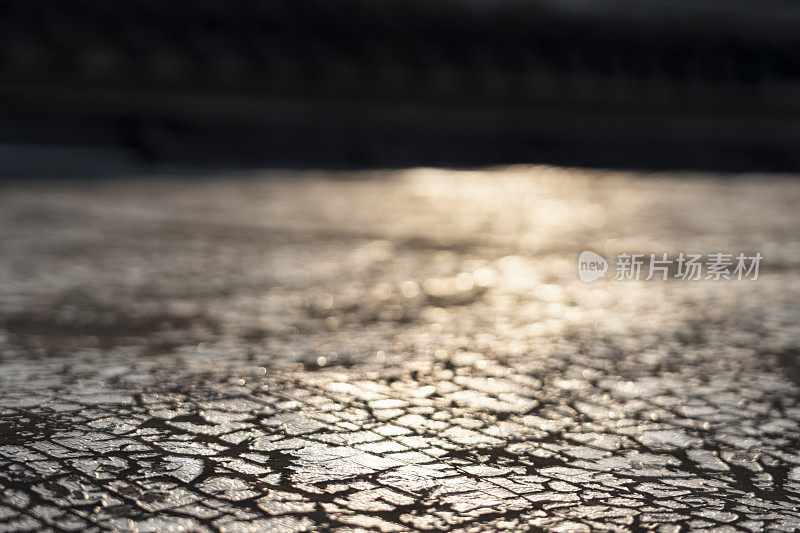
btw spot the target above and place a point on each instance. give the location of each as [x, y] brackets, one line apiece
[412, 352]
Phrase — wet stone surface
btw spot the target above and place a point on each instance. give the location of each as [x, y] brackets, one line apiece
[415, 352]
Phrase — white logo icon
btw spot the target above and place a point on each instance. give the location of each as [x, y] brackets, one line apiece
[591, 266]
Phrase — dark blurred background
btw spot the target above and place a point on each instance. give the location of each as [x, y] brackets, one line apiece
[91, 87]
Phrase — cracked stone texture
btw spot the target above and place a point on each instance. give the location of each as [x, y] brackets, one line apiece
[404, 351]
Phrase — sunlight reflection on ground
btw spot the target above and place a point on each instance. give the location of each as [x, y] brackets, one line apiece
[411, 350]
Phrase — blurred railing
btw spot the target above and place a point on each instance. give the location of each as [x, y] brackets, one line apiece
[357, 82]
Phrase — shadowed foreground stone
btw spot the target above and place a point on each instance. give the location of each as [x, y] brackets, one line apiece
[413, 352]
